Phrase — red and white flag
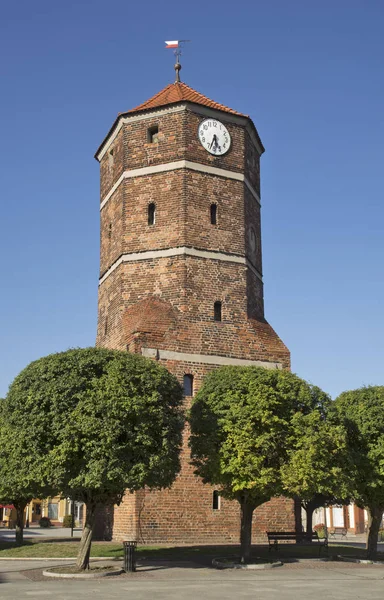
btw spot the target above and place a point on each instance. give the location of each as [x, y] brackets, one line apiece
[172, 44]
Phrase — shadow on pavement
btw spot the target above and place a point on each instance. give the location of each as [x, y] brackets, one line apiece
[158, 564]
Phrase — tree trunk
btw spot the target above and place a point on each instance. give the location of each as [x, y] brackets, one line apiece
[247, 509]
[20, 507]
[82, 561]
[298, 520]
[309, 509]
[375, 515]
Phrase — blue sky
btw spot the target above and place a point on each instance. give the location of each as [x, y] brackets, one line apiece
[310, 74]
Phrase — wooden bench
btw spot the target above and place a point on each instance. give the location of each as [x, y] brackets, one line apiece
[301, 539]
[337, 531]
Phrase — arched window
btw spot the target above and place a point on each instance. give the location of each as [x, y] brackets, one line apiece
[213, 214]
[188, 385]
[151, 213]
[217, 311]
[216, 500]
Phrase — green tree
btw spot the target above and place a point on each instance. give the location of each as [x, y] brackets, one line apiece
[22, 474]
[318, 468]
[363, 411]
[241, 431]
[105, 421]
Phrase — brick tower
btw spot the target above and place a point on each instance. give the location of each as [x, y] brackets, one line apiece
[181, 280]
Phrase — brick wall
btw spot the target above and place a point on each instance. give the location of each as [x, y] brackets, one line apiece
[181, 285]
[177, 140]
[184, 514]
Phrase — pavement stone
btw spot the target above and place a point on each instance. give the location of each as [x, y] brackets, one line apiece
[173, 580]
[183, 580]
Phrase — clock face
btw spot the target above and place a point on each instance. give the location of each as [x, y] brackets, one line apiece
[214, 136]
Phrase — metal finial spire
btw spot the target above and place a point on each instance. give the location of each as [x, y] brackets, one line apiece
[177, 44]
[177, 66]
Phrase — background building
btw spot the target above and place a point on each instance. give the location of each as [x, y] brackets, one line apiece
[351, 517]
[55, 509]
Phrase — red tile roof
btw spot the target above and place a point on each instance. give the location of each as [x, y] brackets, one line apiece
[181, 92]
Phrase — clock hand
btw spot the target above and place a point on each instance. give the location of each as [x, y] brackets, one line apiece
[214, 139]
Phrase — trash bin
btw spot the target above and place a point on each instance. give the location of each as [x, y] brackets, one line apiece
[129, 556]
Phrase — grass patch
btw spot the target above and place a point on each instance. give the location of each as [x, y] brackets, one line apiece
[62, 549]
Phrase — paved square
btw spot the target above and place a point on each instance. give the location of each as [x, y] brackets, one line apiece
[187, 580]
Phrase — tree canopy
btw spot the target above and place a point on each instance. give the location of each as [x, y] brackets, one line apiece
[242, 429]
[318, 468]
[22, 471]
[103, 421]
[363, 410]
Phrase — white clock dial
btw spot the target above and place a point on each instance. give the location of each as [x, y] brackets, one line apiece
[214, 136]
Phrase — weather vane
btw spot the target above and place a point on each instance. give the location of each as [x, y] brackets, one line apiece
[177, 45]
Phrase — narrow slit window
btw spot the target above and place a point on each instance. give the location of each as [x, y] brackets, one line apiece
[153, 134]
[110, 157]
[151, 213]
[213, 214]
[188, 385]
[106, 326]
[216, 500]
[110, 231]
[217, 311]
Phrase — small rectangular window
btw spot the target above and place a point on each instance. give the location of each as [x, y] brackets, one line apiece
[188, 385]
[213, 214]
[151, 213]
[216, 500]
[217, 311]
[153, 134]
